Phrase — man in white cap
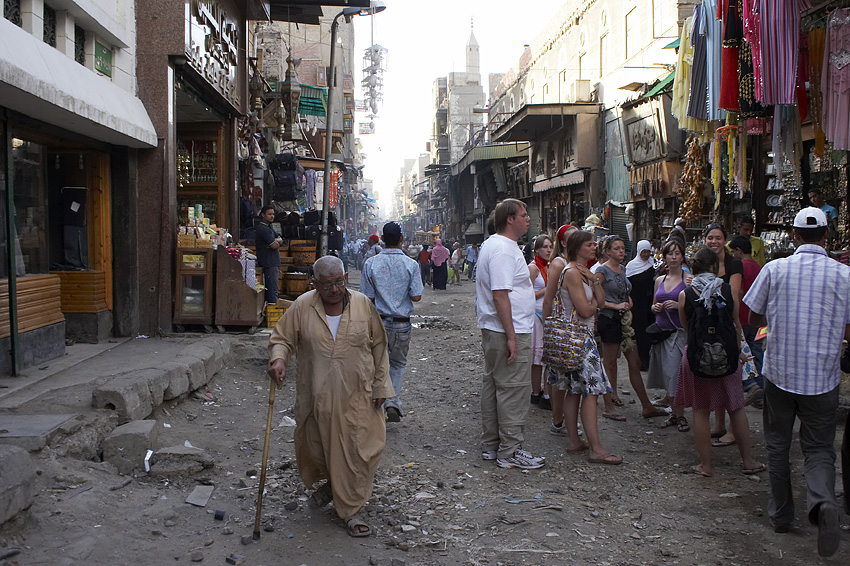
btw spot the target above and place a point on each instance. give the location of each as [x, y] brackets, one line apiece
[805, 302]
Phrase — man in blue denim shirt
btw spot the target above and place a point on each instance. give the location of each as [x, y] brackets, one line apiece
[393, 282]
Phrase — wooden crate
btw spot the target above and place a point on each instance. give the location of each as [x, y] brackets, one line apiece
[295, 283]
[303, 257]
[273, 315]
[302, 245]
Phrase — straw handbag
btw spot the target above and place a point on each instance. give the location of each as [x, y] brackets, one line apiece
[563, 338]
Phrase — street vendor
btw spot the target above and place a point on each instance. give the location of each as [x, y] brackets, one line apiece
[342, 382]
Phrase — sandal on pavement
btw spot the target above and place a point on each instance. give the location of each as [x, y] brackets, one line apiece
[355, 526]
[610, 459]
[321, 496]
[682, 424]
[750, 471]
[614, 417]
[670, 421]
[696, 470]
[617, 402]
[656, 412]
[717, 443]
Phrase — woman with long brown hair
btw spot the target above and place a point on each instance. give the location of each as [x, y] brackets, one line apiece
[580, 291]
[538, 271]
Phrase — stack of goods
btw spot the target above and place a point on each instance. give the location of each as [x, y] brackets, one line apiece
[198, 232]
[303, 252]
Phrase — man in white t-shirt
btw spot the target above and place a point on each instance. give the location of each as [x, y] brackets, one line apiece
[505, 306]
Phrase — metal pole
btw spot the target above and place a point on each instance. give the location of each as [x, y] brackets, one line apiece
[326, 188]
[10, 252]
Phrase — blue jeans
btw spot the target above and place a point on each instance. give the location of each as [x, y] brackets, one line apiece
[757, 348]
[270, 280]
[398, 342]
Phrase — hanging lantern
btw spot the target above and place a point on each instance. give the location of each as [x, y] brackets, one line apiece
[290, 94]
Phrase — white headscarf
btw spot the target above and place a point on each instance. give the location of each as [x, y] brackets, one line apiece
[638, 265]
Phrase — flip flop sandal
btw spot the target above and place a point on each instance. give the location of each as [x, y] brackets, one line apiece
[718, 434]
[717, 443]
[695, 470]
[354, 523]
[617, 402]
[614, 417]
[750, 471]
[682, 424]
[671, 421]
[657, 412]
[579, 450]
[321, 496]
[610, 460]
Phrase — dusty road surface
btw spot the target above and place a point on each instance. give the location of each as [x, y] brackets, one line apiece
[435, 500]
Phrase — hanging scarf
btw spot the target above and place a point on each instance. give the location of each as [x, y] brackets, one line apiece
[543, 266]
[638, 265]
[708, 285]
[440, 253]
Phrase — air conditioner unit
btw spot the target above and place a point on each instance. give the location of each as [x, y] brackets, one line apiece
[580, 91]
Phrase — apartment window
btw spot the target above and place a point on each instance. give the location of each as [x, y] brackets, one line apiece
[79, 45]
[12, 12]
[582, 66]
[49, 26]
[662, 19]
[603, 55]
[632, 32]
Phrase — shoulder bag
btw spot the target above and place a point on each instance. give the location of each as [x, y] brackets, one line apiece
[563, 338]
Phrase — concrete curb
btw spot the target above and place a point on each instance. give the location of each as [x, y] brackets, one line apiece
[134, 396]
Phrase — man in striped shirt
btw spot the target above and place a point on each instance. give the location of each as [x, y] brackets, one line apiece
[805, 302]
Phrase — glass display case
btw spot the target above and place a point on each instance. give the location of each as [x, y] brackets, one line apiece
[194, 286]
[199, 174]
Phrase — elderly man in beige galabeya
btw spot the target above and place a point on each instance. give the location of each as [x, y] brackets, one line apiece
[342, 381]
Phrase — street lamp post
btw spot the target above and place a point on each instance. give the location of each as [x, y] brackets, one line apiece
[347, 13]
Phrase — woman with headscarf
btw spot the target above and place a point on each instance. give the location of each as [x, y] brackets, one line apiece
[641, 274]
[440, 260]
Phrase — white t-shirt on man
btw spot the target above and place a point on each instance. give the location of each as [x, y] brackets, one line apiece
[501, 266]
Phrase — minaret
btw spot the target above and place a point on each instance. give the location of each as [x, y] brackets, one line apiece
[472, 65]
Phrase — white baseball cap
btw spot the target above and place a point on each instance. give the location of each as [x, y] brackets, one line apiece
[810, 217]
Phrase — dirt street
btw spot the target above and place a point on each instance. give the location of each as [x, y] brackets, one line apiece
[435, 500]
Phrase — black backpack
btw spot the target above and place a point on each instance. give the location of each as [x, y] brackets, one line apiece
[713, 346]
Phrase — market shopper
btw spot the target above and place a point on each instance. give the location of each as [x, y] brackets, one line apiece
[393, 282]
[267, 244]
[731, 270]
[440, 258]
[665, 357]
[425, 265]
[709, 294]
[640, 272]
[804, 300]
[342, 381]
[753, 384]
[616, 333]
[457, 263]
[505, 308]
[471, 258]
[746, 227]
[373, 249]
[579, 290]
[538, 272]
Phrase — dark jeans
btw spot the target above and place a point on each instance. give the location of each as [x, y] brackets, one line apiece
[425, 271]
[270, 277]
[817, 414]
[757, 348]
[471, 266]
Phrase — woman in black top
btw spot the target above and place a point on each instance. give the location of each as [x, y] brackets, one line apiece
[731, 270]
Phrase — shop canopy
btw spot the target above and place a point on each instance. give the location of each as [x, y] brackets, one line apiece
[313, 101]
[663, 84]
[536, 121]
[307, 11]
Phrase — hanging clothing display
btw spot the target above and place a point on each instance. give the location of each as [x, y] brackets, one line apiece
[714, 54]
[732, 34]
[835, 80]
[817, 36]
[697, 101]
[780, 48]
[682, 84]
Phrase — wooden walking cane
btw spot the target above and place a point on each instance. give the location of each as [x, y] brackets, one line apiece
[272, 389]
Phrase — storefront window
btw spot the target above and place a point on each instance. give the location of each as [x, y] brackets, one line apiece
[31, 248]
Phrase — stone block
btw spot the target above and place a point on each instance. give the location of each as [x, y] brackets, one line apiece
[89, 328]
[177, 461]
[17, 479]
[195, 370]
[127, 445]
[178, 380]
[126, 394]
[36, 347]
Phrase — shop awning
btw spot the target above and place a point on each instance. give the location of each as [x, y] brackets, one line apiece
[571, 178]
[308, 11]
[662, 85]
[535, 121]
[489, 153]
[313, 101]
[39, 81]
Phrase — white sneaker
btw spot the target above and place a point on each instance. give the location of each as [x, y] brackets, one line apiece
[522, 460]
[488, 455]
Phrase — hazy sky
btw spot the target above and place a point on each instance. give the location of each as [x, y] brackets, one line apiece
[427, 40]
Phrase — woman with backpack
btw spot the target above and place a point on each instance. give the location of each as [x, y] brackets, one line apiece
[710, 374]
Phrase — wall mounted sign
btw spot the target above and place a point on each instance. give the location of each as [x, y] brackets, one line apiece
[643, 138]
[212, 46]
[102, 59]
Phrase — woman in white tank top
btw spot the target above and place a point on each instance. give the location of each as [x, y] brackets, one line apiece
[538, 271]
